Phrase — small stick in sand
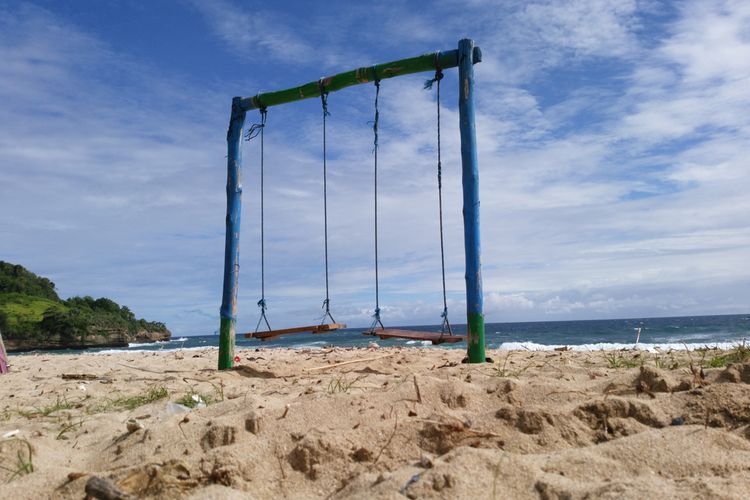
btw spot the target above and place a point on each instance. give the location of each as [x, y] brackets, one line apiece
[78, 376]
[281, 464]
[387, 443]
[416, 387]
[349, 362]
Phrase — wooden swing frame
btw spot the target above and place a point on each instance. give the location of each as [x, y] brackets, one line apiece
[464, 59]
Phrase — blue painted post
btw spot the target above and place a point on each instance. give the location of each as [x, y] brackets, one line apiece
[470, 178]
[232, 242]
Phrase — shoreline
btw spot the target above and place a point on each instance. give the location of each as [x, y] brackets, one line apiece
[523, 346]
[365, 422]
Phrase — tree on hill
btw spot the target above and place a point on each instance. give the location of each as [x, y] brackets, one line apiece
[72, 325]
[16, 278]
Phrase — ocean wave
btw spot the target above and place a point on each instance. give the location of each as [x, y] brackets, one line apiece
[607, 346]
[181, 339]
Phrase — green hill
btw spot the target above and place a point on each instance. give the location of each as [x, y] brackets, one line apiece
[20, 310]
[32, 316]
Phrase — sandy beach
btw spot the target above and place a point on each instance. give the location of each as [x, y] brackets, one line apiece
[376, 423]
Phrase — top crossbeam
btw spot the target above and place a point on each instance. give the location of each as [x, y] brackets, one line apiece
[426, 62]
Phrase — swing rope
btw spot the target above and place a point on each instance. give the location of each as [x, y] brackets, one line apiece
[376, 317]
[446, 326]
[324, 103]
[255, 130]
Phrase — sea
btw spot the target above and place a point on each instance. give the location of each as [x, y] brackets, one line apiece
[687, 332]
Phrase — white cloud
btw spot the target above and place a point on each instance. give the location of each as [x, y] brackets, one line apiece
[592, 27]
[254, 33]
[499, 303]
[711, 42]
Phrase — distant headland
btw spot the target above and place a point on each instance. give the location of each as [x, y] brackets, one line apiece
[32, 316]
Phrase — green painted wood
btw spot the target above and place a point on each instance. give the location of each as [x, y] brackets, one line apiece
[426, 62]
[226, 343]
[476, 344]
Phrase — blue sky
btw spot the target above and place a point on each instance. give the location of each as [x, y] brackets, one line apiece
[614, 146]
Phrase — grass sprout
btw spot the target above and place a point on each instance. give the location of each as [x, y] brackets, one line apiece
[131, 402]
[58, 405]
[619, 360]
[505, 371]
[24, 463]
[67, 428]
[193, 398]
[739, 354]
[342, 384]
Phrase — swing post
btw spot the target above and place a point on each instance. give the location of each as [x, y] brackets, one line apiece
[232, 242]
[470, 180]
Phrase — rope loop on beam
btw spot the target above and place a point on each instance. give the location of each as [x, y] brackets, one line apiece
[438, 73]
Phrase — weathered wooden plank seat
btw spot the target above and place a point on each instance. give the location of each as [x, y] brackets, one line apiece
[434, 337]
[326, 327]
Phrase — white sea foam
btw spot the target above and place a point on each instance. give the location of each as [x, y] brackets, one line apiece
[419, 342]
[143, 345]
[107, 351]
[157, 343]
[162, 343]
[319, 344]
[606, 346]
[175, 349]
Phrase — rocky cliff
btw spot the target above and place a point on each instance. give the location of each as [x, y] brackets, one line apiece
[112, 338]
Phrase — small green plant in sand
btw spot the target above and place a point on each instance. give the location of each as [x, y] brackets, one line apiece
[193, 398]
[502, 368]
[342, 384]
[739, 354]
[666, 361]
[22, 463]
[131, 402]
[46, 411]
[67, 428]
[619, 360]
